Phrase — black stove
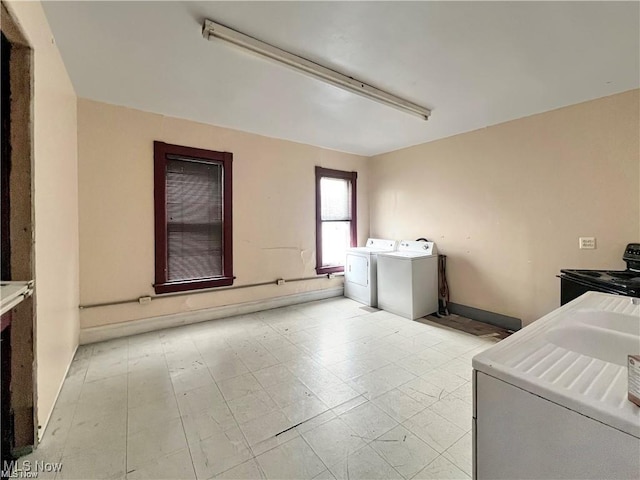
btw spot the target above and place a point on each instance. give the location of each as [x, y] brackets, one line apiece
[574, 283]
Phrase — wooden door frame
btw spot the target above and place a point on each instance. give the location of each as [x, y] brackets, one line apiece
[23, 326]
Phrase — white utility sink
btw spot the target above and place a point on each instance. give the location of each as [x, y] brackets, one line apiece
[550, 401]
[607, 336]
[619, 322]
[576, 356]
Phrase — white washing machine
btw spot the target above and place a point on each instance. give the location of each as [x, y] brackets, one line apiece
[408, 279]
[360, 272]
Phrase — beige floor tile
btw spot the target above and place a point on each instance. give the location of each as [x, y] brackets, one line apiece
[251, 406]
[349, 405]
[265, 427]
[333, 441]
[106, 432]
[153, 413]
[398, 405]
[441, 469]
[365, 464]
[153, 443]
[202, 425]
[249, 470]
[239, 386]
[292, 460]
[220, 452]
[423, 391]
[175, 466]
[461, 368]
[289, 392]
[368, 421]
[227, 369]
[464, 392]
[404, 451]
[443, 379]
[461, 454]
[199, 399]
[325, 475]
[312, 391]
[94, 464]
[304, 410]
[314, 422]
[438, 432]
[187, 379]
[273, 375]
[455, 410]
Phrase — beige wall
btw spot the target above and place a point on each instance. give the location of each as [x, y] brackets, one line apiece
[273, 210]
[56, 207]
[508, 203]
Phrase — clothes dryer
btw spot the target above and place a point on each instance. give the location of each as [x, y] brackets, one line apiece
[360, 270]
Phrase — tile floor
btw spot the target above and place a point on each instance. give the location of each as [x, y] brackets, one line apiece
[321, 390]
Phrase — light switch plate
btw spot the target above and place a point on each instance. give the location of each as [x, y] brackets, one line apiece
[587, 243]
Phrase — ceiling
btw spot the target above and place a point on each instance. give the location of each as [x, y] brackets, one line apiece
[474, 64]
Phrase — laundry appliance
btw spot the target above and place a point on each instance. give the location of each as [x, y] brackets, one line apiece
[408, 279]
[360, 270]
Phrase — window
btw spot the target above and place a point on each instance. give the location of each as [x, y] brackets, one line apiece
[192, 218]
[335, 218]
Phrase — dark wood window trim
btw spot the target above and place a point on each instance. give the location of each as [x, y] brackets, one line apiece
[352, 177]
[161, 151]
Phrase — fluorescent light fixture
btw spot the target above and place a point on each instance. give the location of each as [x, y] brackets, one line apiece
[215, 30]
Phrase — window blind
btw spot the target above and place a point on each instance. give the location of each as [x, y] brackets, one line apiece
[335, 199]
[194, 219]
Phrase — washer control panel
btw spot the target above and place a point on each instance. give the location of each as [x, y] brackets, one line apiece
[428, 248]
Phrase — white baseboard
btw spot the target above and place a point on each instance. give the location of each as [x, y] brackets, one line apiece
[134, 327]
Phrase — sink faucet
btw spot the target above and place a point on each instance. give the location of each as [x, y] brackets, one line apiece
[635, 301]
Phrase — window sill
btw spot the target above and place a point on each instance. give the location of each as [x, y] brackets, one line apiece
[183, 286]
[329, 269]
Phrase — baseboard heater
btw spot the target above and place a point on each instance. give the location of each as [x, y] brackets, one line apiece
[497, 319]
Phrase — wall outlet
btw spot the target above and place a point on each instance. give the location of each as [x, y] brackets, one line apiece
[280, 281]
[587, 243]
[144, 300]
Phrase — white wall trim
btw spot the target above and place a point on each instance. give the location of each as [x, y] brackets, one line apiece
[134, 327]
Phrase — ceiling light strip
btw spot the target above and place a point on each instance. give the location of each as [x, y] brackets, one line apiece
[211, 30]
